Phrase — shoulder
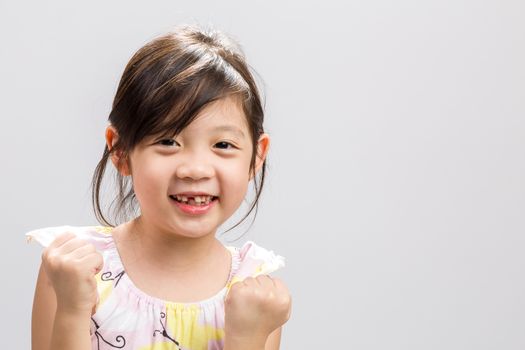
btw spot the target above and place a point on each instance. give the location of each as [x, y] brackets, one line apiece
[251, 260]
[99, 236]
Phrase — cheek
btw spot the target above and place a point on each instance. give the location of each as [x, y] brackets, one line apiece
[235, 179]
[147, 178]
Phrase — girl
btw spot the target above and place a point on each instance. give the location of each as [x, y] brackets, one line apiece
[186, 138]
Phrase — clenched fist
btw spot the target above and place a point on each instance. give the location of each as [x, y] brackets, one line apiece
[255, 307]
[71, 264]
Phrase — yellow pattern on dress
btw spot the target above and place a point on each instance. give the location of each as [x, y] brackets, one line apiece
[103, 229]
[183, 326]
[104, 289]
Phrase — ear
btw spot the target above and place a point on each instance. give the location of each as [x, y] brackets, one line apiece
[116, 157]
[263, 146]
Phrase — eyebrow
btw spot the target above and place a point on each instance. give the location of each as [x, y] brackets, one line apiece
[230, 128]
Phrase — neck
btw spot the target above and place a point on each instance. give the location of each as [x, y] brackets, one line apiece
[168, 251]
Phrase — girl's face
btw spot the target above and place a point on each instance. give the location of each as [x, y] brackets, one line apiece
[191, 184]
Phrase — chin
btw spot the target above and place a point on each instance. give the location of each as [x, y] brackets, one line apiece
[194, 231]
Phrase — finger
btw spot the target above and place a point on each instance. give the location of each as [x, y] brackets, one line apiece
[82, 251]
[70, 246]
[279, 284]
[93, 262]
[61, 239]
[249, 281]
[265, 281]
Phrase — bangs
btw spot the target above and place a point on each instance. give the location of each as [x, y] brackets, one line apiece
[194, 97]
[165, 96]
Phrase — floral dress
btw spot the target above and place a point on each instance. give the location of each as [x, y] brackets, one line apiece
[128, 318]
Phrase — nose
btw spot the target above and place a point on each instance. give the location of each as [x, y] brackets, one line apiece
[194, 168]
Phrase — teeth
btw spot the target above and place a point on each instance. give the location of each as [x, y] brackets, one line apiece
[198, 200]
[182, 198]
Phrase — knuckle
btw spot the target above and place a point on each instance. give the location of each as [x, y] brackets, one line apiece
[65, 264]
[240, 291]
[50, 257]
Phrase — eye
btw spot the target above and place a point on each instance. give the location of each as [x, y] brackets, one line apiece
[224, 145]
[168, 142]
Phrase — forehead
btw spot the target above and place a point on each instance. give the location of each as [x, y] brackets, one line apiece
[225, 114]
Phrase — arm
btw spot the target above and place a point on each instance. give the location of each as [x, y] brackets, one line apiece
[56, 329]
[71, 331]
[43, 315]
[274, 340]
[254, 343]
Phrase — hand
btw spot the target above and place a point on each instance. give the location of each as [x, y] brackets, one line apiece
[71, 264]
[255, 307]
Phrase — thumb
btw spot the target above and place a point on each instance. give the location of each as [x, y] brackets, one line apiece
[98, 268]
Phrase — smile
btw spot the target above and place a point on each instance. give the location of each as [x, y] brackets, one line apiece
[193, 200]
[194, 204]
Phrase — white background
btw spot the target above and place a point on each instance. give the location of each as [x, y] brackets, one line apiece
[396, 186]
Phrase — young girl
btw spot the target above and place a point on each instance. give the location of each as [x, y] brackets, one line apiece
[186, 138]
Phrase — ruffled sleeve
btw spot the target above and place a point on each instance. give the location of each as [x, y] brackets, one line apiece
[254, 260]
[97, 235]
